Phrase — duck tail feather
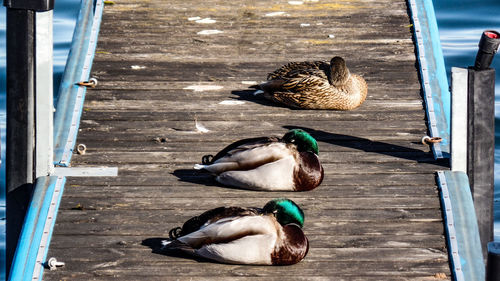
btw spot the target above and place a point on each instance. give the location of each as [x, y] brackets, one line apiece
[258, 92]
[199, 166]
[176, 247]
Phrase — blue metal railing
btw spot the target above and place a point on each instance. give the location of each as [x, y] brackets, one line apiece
[71, 96]
[433, 74]
[29, 259]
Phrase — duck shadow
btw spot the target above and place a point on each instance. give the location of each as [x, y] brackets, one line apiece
[248, 95]
[367, 145]
[195, 176]
[155, 243]
[199, 177]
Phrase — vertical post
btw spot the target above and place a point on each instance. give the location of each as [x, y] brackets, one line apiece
[493, 263]
[20, 121]
[29, 94]
[44, 164]
[458, 119]
[481, 134]
[481, 145]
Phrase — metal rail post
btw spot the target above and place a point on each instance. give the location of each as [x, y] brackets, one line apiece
[29, 87]
[481, 134]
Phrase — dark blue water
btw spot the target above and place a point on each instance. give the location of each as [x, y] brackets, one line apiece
[461, 23]
[65, 14]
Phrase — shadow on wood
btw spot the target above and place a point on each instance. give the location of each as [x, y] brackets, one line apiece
[195, 176]
[155, 243]
[199, 177]
[366, 145]
[248, 95]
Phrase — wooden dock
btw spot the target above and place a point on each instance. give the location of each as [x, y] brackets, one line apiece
[376, 215]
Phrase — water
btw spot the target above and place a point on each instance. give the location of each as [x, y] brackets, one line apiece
[65, 14]
[461, 24]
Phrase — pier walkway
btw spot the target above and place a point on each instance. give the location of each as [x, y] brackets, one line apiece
[173, 86]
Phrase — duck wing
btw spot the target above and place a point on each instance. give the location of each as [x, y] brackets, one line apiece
[296, 81]
[273, 176]
[241, 240]
[210, 216]
[229, 229]
[253, 249]
[248, 156]
[243, 143]
[304, 73]
[301, 89]
[294, 66]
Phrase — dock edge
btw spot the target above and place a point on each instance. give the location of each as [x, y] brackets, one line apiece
[462, 232]
[432, 74]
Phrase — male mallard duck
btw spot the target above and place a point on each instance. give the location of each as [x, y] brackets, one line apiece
[315, 85]
[268, 163]
[268, 236]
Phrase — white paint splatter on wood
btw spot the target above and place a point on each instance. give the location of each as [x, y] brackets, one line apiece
[248, 82]
[231, 102]
[201, 88]
[206, 21]
[274, 14]
[137, 67]
[193, 18]
[209, 32]
[295, 2]
[305, 24]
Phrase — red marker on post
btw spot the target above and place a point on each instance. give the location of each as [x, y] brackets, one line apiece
[488, 46]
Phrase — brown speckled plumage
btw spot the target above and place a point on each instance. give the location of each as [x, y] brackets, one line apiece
[315, 85]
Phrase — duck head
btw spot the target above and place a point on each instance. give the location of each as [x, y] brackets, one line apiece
[285, 211]
[302, 140]
[339, 73]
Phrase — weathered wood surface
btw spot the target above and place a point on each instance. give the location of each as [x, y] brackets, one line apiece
[375, 217]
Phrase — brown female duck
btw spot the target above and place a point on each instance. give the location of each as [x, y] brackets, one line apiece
[315, 85]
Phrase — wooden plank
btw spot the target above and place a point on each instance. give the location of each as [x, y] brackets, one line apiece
[326, 157]
[316, 255]
[405, 270]
[185, 177]
[179, 203]
[77, 190]
[323, 241]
